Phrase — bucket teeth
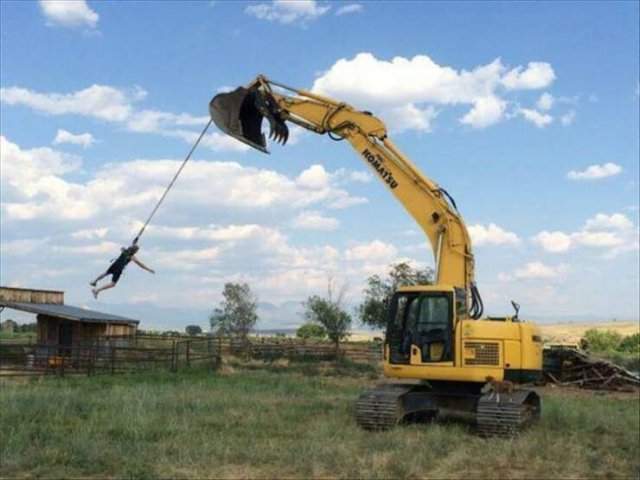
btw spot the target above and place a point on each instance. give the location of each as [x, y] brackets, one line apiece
[279, 132]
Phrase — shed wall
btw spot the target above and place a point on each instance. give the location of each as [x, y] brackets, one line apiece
[81, 332]
[121, 330]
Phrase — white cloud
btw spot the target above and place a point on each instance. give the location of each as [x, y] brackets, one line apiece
[313, 220]
[98, 101]
[597, 239]
[545, 102]
[535, 270]
[154, 121]
[614, 233]
[69, 13]
[117, 105]
[492, 234]
[83, 139]
[22, 247]
[98, 249]
[540, 120]
[214, 140]
[602, 221]
[288, 11]
[595, 172]
[553, 241]
[375, 251]
[186, 259]
[410, 117]
[350, 8]
[90, 234]
[485, 112]
[227, 233]
[399, 88]
[33, 186]
[568, 118]
[358, 176]
[536, 75]
[315, 177]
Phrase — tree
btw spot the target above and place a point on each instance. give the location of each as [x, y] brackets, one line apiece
[330, 314]
[311, 330]
[373, 310]
[236, 314]
[602, 340]
[193, 330]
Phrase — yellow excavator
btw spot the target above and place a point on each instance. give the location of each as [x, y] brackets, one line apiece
[446, 360]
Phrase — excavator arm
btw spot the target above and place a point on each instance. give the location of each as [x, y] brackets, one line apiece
[240, 114]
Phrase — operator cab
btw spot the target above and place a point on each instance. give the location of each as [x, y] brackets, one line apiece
[421, 321]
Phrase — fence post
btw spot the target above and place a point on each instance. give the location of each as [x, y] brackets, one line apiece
[188, 353]
[174, 360]
[90, 360]
[113, 357]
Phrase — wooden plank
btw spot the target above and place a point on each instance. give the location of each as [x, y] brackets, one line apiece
[28, 295]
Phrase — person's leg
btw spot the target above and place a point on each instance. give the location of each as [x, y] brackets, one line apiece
[96, 291]
[100, 277]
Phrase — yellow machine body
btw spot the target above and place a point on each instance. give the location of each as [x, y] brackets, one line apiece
[504, 348]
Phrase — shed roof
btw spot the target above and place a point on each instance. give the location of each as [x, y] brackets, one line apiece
[68, 312]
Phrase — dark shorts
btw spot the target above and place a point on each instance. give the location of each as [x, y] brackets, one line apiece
[115, 270]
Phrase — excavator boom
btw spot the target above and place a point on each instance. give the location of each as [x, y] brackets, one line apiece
[240, 114]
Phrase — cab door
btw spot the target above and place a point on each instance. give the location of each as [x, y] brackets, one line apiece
[432, 329]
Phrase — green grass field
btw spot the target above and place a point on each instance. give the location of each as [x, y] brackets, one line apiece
[296, 421]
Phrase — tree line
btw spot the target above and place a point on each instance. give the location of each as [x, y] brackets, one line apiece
[326, 316]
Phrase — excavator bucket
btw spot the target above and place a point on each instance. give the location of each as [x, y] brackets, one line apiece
[240, 113]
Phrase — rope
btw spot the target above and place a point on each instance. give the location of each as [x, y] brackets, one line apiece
[175, 177]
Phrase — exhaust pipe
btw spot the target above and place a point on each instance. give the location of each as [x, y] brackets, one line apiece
[239, 114]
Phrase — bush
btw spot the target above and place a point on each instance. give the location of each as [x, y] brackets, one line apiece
[602, 340]
[311, 330]
[193, 330]
[630, 344]
[610, 345]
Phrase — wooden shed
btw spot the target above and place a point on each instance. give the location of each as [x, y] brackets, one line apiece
[65, 325]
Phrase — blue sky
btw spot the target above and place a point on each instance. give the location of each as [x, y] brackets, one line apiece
[527, 113]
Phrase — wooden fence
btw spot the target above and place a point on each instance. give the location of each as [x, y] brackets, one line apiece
[106, 355]
[144, 352]
[274, 347]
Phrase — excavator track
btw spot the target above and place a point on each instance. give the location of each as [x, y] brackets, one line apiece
[506, 415]
[381, 408]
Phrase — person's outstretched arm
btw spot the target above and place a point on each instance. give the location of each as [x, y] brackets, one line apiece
[142, 265]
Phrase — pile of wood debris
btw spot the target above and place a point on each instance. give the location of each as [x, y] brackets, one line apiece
[566, 366]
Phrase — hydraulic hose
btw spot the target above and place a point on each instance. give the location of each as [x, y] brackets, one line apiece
[477, 307]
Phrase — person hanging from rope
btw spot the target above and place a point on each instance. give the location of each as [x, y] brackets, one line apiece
[127, 255]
